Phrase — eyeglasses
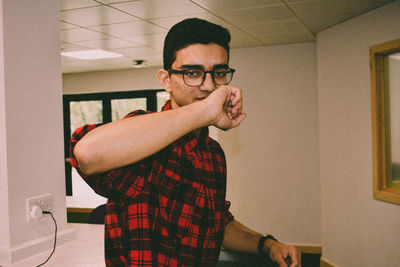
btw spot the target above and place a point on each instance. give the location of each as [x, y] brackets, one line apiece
[196, 77]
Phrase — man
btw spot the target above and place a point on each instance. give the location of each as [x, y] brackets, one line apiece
[164, 178]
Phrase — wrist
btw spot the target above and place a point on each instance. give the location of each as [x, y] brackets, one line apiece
[265, 243]
[200, 114]
[209, 111]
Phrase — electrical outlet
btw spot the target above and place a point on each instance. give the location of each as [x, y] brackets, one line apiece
[45, 202]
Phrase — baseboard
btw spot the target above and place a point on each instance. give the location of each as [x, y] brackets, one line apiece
[326, 263]
[33, 247]
[79, 210]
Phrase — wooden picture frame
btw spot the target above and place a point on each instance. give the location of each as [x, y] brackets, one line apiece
[381, 134]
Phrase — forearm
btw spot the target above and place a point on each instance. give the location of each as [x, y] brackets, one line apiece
[240, 238]
[130, 140]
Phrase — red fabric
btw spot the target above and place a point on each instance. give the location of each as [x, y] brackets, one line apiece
[168, 209]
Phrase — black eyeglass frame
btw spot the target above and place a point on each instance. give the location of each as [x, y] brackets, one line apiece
[183, 72]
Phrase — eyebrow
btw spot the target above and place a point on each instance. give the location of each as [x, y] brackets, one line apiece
[200, 67]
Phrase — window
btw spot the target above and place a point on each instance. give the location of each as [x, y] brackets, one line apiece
[81, 109]
[385, 96]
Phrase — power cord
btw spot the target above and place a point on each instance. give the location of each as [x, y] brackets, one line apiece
[55, 237]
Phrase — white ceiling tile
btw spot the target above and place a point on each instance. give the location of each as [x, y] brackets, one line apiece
[129, 29]
[320, 8]
[80, 35]
[150, 40]
[286, 38]
[114, 63]
[317, 24]
[301, 1]
[274, 27]
[115, 1]
[156, 57]
[69, 66]
[168, 22]
[237, 42]
[93, 16]
[112, 25]
[137, 51]
[321, 14]
[257, 15]
[225, 5]
[68, 47]
[72, 4]
[147, 9]
[108, 44]
[239, 38]
[151, 56]
[67, 26]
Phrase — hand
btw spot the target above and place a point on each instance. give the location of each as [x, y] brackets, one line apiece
[225, 106]
[283, 254]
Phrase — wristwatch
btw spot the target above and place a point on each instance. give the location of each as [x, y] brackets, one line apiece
[261, 242]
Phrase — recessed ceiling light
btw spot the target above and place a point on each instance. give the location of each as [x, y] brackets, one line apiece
[139, 63]
[91, 54]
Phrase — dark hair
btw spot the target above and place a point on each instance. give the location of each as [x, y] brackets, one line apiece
[193, 31]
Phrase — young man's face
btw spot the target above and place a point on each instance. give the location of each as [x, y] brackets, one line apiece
[197, 56]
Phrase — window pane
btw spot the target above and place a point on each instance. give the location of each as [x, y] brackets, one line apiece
[121, 107]
[85, 112]
[162, 97]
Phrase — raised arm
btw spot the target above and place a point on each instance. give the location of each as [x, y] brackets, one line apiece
[127, 141]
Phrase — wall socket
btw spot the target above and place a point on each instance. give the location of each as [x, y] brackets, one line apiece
[45, 202]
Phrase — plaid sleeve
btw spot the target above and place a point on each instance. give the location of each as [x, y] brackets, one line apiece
[122, 182]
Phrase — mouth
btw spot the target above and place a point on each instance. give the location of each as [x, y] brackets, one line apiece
[201, 98]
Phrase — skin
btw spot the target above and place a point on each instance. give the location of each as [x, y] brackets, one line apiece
[127, 141]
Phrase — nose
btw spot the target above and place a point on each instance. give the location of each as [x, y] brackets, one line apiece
[208, 83]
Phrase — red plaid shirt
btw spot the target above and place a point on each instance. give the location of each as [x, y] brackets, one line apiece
[168, 209]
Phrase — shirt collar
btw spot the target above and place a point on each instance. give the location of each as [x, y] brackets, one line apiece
[167, 106]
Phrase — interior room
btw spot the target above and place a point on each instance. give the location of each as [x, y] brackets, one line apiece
[300, 167]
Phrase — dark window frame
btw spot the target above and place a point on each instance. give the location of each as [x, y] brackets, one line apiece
[151, 103]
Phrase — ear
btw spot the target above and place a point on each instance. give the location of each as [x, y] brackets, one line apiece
[164, 79]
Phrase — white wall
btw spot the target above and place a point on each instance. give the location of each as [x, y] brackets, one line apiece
[31, 146]
[273, 168]
[111, 81]
[357, 230]
[273, 160]
[4, 235]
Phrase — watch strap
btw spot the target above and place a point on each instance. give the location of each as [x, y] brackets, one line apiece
[261, 242]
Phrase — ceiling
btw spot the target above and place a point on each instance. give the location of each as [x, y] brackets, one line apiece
[136, 29]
